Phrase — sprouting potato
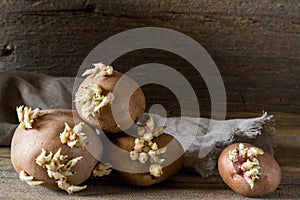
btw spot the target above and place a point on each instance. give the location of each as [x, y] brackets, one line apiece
[249, 170]
[150, 157]
[52, 150]
[95, 98]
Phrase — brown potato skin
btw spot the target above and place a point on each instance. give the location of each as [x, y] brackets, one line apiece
[267, 183]
[124, 167]
[104, 119]
[27, 145]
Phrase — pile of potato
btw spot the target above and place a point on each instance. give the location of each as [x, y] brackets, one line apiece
[59, 149]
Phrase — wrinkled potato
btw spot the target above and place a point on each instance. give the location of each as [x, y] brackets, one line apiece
[233, 175]
[27, 145]
[104, 119]
[137, 173]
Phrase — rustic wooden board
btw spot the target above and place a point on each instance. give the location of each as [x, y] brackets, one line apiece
[185, 185]
[255, 44]
[181, 186]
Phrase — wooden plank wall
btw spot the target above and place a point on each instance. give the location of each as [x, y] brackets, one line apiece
[255, 44]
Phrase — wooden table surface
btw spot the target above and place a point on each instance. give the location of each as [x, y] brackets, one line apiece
[184, 185]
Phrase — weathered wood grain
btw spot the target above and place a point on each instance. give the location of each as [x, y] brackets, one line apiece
[255, 44]
[181, 186]
[184, 185]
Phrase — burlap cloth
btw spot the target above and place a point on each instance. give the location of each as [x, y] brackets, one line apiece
[202, 144]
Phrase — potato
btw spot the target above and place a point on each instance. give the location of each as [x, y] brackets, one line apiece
[127, 113]
[137, 173]
[234, 176]
[27, 145]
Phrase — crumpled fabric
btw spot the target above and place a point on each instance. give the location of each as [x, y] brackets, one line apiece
[202, 139]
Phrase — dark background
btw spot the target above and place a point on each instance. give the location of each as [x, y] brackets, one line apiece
[255, 44]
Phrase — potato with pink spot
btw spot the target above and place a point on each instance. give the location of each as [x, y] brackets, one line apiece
[249, 170]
